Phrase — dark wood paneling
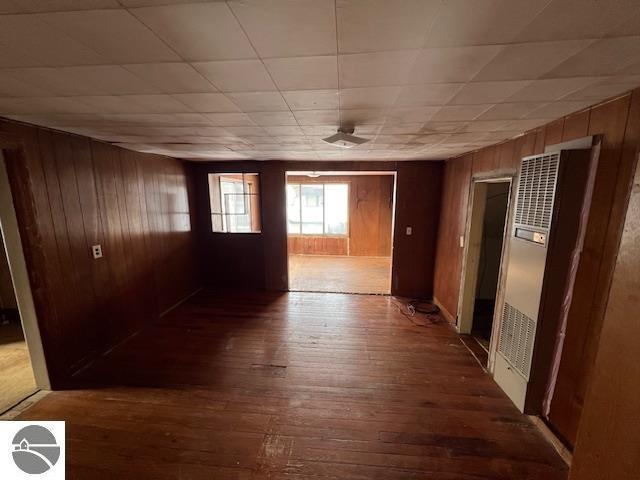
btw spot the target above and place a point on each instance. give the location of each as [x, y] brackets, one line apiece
[603, 233]
[260, 260]
[608, 437]
[70, 193]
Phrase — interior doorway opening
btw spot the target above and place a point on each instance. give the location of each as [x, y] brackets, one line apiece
[340, 231]
[22, 365]
[483, 262]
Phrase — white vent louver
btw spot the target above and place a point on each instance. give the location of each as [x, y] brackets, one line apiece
[517, 334]
[536, 188]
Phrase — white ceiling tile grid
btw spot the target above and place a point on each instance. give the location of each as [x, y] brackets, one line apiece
[268, 79]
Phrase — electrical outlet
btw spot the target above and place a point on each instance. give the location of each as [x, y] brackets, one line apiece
[97, 251]
[461, 241]
[409, 230]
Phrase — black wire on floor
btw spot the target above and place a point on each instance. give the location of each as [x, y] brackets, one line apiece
[429, 312]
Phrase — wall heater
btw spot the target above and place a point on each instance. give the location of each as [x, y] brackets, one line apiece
[549, 200]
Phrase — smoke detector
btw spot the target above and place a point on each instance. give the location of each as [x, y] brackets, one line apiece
[345, 138]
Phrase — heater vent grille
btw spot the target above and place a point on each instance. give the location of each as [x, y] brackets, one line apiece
[536, 190]
[517, 333]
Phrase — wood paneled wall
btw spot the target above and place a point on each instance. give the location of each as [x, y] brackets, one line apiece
[370, 218]
[260, 260]
[609, 438]
[7, 295]
[618, 122]
[70, 193]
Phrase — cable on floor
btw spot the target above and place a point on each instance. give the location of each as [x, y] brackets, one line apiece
[427, 310]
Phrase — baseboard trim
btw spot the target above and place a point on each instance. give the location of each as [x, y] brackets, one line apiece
[445, 313]
[553, 440]
[180, 302]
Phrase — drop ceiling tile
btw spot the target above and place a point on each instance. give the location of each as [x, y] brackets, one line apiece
[527, 61]
[273, 118]
[379, 25]
[509, 111]
[363, 116]
[230, 119]
[198, 31]
[487, 92]
[368, 97]
[555, 110]
[414, 114]
[479, 125]
[605, 89]
[172, 77]
[304, 73]
[481, 22]
[572, 19]
[259, 101]
[459, 112]
[319, 130]
[426, 95]
[312, 99]
[46, 45]
[151, 3]
[375, 69]
[12, 56]
[600, 58]
[37, 105]
[132, 43]
[237, 75]
[457, 64]
[284, 131]
[246, 130]
[525, 125]
[394, 128]
[444, 126]
[430, 139]
[11, 87]
[158, 103]
[317, 117]
[288, 28]
[84, 80]
[110, 104]
[551, 89]
[207, 102]
[33, 6]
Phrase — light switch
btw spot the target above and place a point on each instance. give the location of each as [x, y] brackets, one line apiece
[97, 251]
[461, 241]
[409, 230]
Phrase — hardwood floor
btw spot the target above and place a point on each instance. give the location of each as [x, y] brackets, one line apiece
[294, 386]
[16, 375]
[342, 274]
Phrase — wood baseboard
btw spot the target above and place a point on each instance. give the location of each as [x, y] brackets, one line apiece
[445, 313]
[551, 437]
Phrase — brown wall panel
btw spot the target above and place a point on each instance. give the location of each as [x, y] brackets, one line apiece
[70, 193]
[620, 140]
[260, 260]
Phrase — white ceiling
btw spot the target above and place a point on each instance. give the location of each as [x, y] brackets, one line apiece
[268, 79]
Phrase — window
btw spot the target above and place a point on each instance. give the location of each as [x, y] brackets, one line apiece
[318, 208]
[235, 202]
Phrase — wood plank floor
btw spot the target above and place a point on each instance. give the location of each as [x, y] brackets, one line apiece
[337, 273]
[16, 375]
[296, 386]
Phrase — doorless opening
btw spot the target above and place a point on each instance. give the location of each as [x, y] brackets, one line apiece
[483, 260]
[340, 231]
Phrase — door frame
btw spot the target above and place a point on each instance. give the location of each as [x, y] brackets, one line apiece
[20, 275]
[471, 257]
[320, 173]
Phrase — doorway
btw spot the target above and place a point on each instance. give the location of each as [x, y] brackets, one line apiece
[483, 262]
[22, 365]
[339, 231]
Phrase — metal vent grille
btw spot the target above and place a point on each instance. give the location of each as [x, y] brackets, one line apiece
[536, 190]
[517, 333]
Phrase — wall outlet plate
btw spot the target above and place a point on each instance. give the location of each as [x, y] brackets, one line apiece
[96, 250]
[409, 230]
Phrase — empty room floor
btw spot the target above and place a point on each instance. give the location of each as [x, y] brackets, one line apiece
[16, 376]
[294, 386]
[336, 273]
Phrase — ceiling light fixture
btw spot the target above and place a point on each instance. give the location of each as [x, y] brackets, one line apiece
[345, 138]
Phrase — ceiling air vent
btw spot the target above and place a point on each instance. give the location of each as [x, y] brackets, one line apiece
[345, 139]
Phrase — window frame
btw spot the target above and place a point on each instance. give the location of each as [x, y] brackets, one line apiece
[324, 217]
[248, 199]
